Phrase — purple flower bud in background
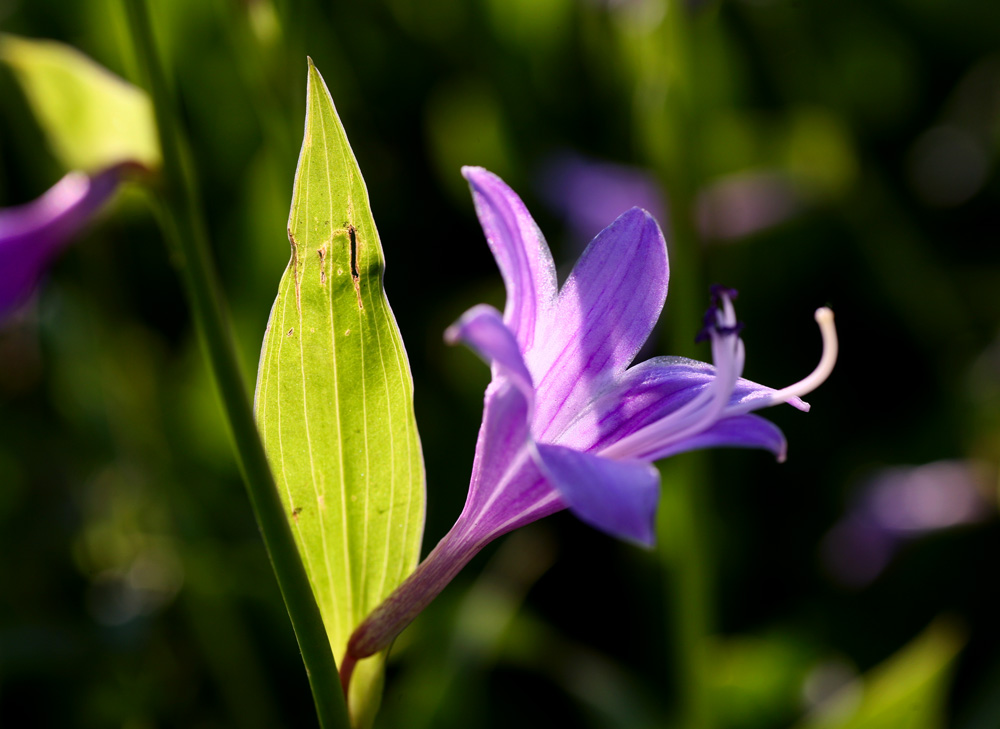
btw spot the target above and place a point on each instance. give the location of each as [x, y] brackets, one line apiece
[588, 193]
[900, 504]
[740, 205]
[567, 423]
[34, 234]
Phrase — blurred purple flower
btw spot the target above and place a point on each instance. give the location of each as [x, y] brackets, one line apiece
[899, 504]
[33, 234]
[567, 424]
[740, 205]
[587, 194]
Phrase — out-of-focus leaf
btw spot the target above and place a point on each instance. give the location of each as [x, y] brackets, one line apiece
[907, 691]
[535, 25]
[465, 121]
[756, 680]
[334, 399]
[93, 119]
[819, 153]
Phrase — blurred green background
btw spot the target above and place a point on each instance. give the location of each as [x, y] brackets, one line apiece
[808, 153]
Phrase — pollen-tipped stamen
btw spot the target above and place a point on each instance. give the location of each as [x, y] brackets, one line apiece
[710, 404]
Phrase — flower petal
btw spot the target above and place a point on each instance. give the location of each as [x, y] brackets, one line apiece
[507, 489]
[647, 393]
[33, 234]
[482, 329]
[618, 497]
[520, 251]
[738, 431]
[605, 312]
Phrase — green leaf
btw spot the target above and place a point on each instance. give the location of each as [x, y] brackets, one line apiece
[907, 691]
[93, 119]
[756, 680]
[334, 399]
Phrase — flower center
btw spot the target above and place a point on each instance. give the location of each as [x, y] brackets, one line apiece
[722, 328]
[713, 403]
[720, 317]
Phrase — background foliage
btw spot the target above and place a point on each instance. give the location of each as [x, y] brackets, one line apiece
[811, 152]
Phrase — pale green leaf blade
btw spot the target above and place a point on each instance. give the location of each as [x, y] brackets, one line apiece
[92, 118]
[334, 401]
[908, 691]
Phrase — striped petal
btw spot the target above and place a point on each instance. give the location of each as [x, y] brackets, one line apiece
[482, 329]
[605, 312]
[520, 251]
[738, 431]
[617, 497]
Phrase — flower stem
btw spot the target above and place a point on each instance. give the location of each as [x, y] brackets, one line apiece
[666, 117]
[689, 567]
[185, 230]
[407, 601]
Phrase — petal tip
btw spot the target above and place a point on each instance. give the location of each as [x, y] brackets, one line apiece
[473, 172]
[646, 540]
[652, 223]
[644, 225]
[781, 455]
[456, 332]
[640, 215]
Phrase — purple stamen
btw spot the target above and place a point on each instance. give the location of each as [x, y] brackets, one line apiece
[715, 318]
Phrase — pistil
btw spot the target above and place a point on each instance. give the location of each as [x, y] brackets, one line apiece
[824, 317]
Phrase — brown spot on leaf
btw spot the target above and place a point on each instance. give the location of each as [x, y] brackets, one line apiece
[352, 233]
[295, 269]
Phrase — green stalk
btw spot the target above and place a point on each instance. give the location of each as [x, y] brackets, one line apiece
[687, 558]
[690, 572]
[185, 230]
[666, 113]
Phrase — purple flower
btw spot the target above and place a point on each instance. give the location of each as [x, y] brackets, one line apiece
[33, 234]
[896, 505]
[567, 424]
[740, 205]
[588, 193]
